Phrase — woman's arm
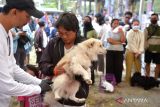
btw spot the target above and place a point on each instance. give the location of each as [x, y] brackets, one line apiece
[116, 42]
[123, 39]
[113, 42]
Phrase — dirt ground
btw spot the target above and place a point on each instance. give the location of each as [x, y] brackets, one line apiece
[123, 96]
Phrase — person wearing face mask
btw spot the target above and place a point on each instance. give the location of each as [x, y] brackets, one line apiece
[88, 30]
[134, 49]
[152, 45]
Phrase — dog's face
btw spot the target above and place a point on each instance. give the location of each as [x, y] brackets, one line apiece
[95, 46]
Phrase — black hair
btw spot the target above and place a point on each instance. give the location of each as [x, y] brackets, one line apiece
[69, 21]
[41, 23]
[113, 21]
[135, 20]
[128, 13]
[90, 19]
[154, 14]
[87, 26]
[100, 18]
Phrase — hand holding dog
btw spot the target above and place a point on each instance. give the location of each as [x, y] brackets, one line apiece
[45, 86]
[58, 70]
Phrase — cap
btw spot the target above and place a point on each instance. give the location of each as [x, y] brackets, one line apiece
[27, 5]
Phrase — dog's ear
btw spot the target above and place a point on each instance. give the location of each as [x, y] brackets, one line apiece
[90, 45]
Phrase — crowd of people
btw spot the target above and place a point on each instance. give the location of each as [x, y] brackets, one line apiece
[125, 42]
[53, 37]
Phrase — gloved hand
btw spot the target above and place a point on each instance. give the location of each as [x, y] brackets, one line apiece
[45, 86]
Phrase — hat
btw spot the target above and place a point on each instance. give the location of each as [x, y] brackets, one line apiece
[27, 5]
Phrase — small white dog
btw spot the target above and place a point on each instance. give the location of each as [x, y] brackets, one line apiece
[76, 62]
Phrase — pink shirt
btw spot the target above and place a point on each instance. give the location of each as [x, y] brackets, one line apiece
[31, 101]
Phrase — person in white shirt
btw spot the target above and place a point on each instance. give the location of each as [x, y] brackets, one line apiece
[13, 80]
[134, 49]
[105, 28]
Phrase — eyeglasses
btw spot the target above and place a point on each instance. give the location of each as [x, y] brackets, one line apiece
[65, 33]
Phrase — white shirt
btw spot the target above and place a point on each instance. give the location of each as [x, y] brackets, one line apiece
[135, 41]
[10, 73]
[45, 39]
[96, 26]
[103, 34]
[105, 28]
[67, 50]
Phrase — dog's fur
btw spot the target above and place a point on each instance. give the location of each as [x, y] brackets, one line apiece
[143, 81]
[76, 62]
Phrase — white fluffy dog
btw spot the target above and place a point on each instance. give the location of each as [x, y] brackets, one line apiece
[76, 62]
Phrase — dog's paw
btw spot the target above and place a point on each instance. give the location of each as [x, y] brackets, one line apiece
[57, 97]
[81, 100]
[78, 100]
[88, 81]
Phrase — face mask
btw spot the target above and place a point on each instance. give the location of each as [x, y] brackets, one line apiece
[87, 24]
[154, 21]
[136, 27]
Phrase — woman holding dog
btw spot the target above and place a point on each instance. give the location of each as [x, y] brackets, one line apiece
[68, 27]
[134, 49]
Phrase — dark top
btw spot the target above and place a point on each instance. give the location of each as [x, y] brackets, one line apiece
[38, 39]
[50, 57]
